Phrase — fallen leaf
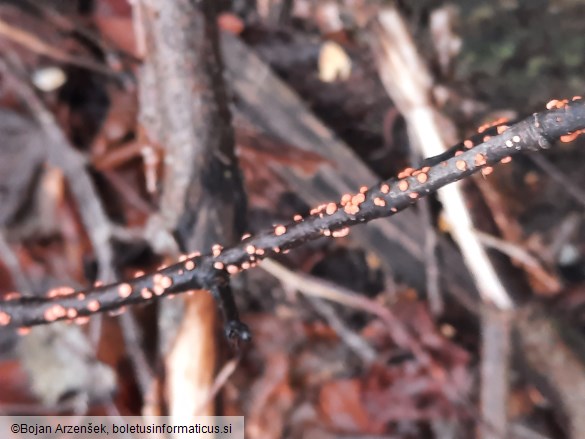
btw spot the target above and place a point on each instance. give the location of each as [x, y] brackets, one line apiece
[341, 405]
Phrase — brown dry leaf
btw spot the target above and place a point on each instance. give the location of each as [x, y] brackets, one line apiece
[343, 408]
[14, 385]
[113, 7]
[410, 391]
[261, 387]
[258, 153]
[113, 18]
[271, 399]
[399, 393]
[275, 335]
[519, 403]
[263, 146]
[263, 186]
[407, 390]
[30, 37]
[119, 123]
[415, 315]
[321, 331]
[119, 31]
[334, 63]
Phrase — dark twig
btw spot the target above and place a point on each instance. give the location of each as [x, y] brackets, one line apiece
[352, 339]
[234, 329]
[384, 199]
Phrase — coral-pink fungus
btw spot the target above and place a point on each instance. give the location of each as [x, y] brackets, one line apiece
[124, 290]
[93, 306]
[4, 318]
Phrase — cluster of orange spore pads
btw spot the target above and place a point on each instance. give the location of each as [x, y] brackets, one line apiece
[212, 271]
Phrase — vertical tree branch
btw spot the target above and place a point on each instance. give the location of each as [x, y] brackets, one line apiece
[202, 201]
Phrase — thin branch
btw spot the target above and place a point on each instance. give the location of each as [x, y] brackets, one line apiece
[556, 174]
[360, 347]
[64, 156]
[494, 370]
[35, 44]
[316, 289]
[409, 83]
[523, 256]
[562, 235]
[381, 200]
[323, 289]
[221, 378]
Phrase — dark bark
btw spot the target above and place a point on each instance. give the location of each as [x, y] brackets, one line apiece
[536, 132]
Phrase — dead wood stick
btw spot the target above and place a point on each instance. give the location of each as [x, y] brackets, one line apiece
[386, 198]
[202, 200]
